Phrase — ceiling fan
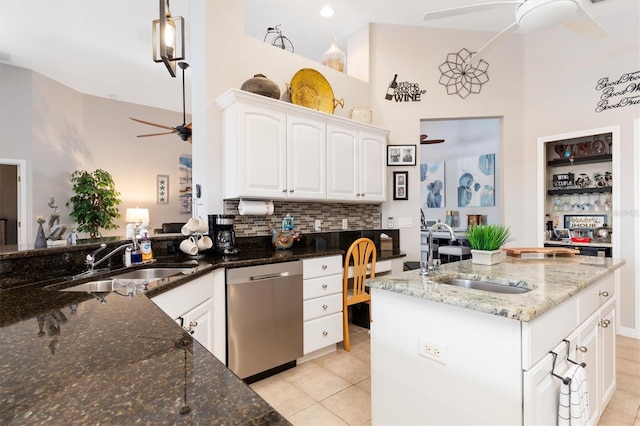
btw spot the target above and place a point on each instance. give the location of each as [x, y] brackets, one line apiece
[533, 15]
[424, 140]
[183, 130]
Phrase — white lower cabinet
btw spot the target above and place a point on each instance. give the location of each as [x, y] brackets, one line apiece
[322, 305]
[592, 342]
[199, 307]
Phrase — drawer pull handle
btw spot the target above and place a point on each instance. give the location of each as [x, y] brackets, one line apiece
[190, 328]
[605, 323]
[582, 349]
[325, 307]
[324, 266]
[324, 286]
[291, 190]
[603, 293]
[284, 189]
[325, 333]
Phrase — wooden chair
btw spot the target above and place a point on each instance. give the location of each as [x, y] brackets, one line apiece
[361, 253]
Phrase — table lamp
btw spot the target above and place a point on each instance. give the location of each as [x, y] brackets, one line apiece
[137, 217]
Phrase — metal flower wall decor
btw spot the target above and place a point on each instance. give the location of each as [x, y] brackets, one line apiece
[461, 76]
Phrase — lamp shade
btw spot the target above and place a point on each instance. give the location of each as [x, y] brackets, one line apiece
[137, 215]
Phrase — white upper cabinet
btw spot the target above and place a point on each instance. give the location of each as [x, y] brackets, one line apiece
[277, 150]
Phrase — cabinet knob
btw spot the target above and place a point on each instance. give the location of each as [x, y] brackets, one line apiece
[603, 293]
[605, 323]
[190, 328]
[362, 195]
[291, 190]
[284, 189]
[325, 307]
[324, 286]
[358, 194]
[325, 333]
[324, 266]
[582, 349]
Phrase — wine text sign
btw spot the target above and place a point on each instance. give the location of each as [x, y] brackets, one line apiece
[404, 91]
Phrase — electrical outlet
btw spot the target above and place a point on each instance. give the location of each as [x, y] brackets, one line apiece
[318, 225]
[432, 350]
[345, 224]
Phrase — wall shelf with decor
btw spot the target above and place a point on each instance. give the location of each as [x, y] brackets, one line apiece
[558, 162]
[601, 190]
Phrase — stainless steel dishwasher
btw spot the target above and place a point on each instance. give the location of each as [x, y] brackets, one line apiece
[264, 319]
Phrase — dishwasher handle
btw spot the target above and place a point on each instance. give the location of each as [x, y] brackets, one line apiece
[268, 276]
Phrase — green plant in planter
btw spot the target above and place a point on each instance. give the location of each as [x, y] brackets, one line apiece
[95, 203]
[487, 237]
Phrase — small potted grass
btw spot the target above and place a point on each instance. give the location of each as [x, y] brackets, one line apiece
[486, 241]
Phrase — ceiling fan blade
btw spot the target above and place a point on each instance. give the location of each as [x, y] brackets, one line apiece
[471, 8]
[586, 26]
[188, 126]
[425, 141]
[151, 124]
[156, 134]
[488, 45]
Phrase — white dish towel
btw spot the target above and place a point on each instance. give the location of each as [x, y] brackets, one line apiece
[573, 408]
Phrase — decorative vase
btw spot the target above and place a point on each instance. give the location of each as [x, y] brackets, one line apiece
[41, 240]
[486, 257]
[261, 85]
[334, 57]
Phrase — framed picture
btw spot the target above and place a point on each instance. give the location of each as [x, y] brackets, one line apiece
[562, 234]
[162, 186]
[400, 185]
[401, 155]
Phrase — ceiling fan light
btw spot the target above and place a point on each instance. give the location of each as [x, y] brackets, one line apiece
[535, 15]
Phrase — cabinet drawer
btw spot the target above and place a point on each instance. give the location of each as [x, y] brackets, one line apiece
[321, 286]
[322, 266]
[322, 306]
[594, 296]
[180, 300]
[322, 332]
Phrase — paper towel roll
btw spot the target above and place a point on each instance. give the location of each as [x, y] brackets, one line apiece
[255, 208]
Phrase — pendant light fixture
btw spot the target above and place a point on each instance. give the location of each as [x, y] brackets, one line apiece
[168, 38]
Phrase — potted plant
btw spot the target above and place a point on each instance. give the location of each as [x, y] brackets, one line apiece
[95, 203]
[485, 241]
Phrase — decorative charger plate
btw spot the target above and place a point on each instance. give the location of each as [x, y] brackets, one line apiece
[310, 89]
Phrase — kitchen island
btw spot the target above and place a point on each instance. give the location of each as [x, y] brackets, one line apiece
[442, 354]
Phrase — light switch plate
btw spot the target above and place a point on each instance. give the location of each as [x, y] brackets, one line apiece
[404, 222]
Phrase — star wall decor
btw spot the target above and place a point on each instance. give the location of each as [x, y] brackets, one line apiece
[461, 77]
[162, 183]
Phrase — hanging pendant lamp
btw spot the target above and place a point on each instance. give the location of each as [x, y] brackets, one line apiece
[168, 38]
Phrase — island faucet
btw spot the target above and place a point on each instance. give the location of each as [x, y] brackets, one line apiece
[430, 262]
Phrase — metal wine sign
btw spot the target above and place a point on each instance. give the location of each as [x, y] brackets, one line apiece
[403, 91]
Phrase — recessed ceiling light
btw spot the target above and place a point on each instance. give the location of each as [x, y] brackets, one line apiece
[327, 12]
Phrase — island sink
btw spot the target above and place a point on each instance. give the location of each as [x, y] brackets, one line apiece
[485, 286]
[153, 274]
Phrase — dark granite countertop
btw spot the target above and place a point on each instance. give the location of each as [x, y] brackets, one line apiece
[67, 358]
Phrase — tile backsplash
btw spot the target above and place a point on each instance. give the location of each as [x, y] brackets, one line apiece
[359, 216]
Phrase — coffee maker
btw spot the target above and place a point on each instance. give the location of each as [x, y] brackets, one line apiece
[222, 233]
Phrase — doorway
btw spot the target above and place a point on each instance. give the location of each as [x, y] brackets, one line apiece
[12, 202]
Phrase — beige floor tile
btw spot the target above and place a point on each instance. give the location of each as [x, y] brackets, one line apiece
[626, 383]
[628, 353]
[316, 415]
[353, 405]
[625, 403]
[285, 397]
[628, 342]
[613, 418]
[628, 367]
[265, 383]
[300, 370]
[346, 366]
[319, 383]
[365, 385]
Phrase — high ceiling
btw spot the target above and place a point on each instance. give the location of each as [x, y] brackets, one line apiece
[103, 47]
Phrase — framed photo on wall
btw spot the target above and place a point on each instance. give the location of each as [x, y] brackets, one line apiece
[400, 185]
[401, 155]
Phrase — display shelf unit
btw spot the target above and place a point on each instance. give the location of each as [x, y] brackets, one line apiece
[558, 162]
[600, 190]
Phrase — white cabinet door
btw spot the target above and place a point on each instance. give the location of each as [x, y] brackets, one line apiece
[588, 346]
[372, 167]
[541, 391]
[342, 160]
[260, 167]
[306, 158]
[199, 322]
[607, 353]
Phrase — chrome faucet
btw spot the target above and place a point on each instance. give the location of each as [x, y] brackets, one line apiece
[430, 263]
[91, 262]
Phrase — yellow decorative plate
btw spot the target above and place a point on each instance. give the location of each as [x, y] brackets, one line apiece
[310, 89]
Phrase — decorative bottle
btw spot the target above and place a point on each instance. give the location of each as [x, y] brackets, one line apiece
[334, 57]
[392, 88]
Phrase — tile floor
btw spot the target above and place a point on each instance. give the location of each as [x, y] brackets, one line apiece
[335, 389]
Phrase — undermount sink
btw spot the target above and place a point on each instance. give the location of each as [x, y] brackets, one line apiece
[151, 274]
[100, 286]
[485, 286]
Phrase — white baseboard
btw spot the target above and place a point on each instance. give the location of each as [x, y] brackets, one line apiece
[628, 332]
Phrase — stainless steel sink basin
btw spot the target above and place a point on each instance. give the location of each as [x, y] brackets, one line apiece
[100, 286]
[151, 274]
[485, 286]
